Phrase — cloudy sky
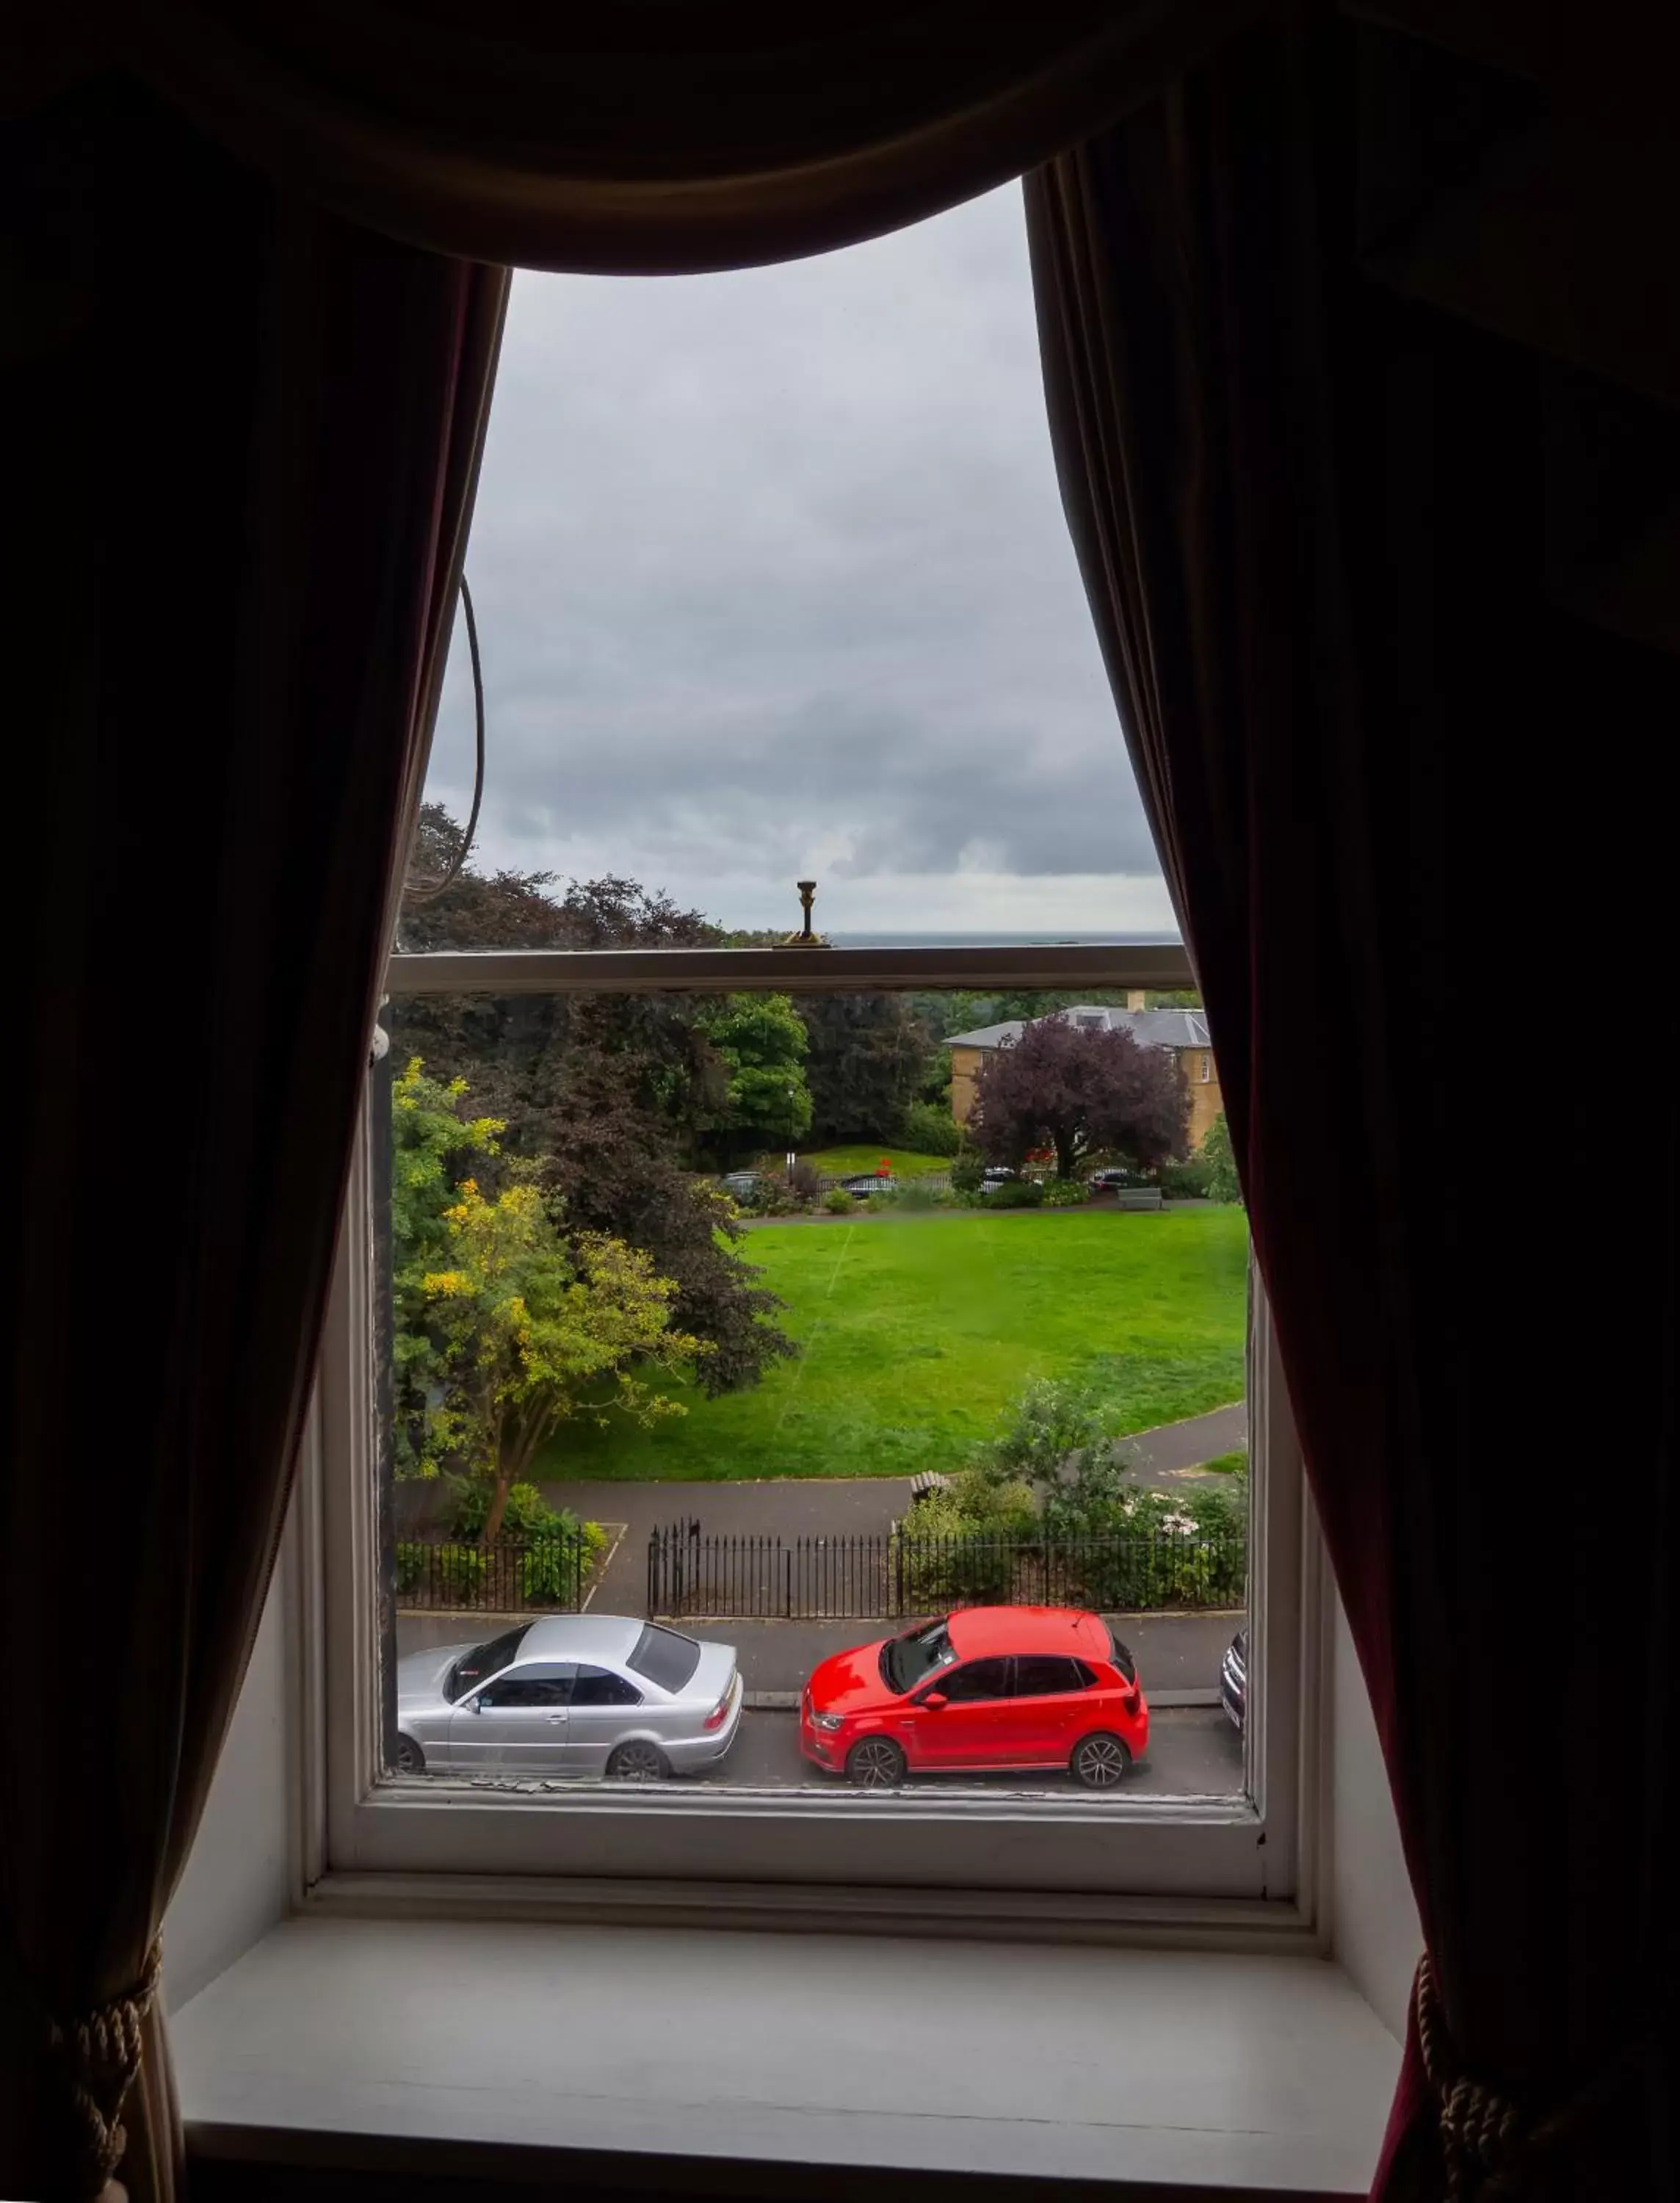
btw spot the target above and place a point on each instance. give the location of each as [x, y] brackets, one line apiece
[773, 581]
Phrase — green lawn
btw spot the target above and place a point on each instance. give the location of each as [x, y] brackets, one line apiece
[919, 1332]
[852, 1162]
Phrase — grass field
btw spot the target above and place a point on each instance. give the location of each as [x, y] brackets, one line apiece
[919, 1333]
[852, 1162]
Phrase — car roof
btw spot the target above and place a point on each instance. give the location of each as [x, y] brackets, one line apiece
[581, 1637]
[978, 1632]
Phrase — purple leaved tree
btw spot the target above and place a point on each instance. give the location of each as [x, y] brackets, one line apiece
[1077, 1089]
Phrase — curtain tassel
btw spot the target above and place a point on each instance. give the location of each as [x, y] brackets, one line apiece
[1489, 2146]
[100, 2055]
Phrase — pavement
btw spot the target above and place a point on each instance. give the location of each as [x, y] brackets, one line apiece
[1178, 1655]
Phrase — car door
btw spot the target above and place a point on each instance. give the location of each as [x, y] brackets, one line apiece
[515, 1724]
[1052, 1709]
[971, 1728]
[603, 1709]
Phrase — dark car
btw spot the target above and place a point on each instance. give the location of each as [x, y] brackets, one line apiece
[860, 1189]
[1234, 1680]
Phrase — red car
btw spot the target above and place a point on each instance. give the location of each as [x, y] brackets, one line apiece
[988, 1688]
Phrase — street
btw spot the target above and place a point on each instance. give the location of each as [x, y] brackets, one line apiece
[1193, 1752]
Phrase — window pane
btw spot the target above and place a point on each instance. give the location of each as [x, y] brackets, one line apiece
[596, 1687]
[1039, 1678]
[749, 1337]
[978, 1680]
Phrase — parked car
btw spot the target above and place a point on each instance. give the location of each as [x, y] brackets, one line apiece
[581, 1694]
[985, 1689]
[861, 1188]
[998, 1174]
[1113, 1180]
[1234, 1680]
[741, 1185]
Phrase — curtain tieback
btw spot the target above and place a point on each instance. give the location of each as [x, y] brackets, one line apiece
[99, 2053]
[1487, 2142]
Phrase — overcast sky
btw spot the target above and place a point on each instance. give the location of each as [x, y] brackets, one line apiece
[772, 581]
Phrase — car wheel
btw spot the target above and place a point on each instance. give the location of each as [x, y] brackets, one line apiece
[638, 1761]
[410, 1759]
[1099, 1762]
[876, 1763]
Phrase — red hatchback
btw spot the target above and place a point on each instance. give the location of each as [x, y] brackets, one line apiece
[985, 1689]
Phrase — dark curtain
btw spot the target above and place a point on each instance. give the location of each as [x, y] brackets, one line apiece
[1362, 359]
[240, 438]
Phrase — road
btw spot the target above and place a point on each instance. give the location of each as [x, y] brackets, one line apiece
[1193, 1752]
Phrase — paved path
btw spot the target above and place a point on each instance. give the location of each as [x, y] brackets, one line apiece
[1163, 1456]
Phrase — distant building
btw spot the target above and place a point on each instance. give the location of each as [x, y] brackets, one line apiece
[1182, 1031]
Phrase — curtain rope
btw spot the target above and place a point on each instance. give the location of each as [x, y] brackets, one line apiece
[1489, 2145]
[100, 2054]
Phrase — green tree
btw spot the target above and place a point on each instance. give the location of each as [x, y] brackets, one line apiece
[434, 1146]
[868, 1060]
[533, 1329]
[761, 1042]
[1223, 1183]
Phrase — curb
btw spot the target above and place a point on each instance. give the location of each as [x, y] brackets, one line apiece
[784, 1702]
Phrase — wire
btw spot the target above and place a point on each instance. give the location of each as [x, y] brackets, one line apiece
[433, 890]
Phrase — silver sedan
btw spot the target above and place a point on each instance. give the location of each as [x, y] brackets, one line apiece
[584, 1694]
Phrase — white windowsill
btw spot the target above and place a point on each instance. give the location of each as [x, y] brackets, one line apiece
[412, 2043]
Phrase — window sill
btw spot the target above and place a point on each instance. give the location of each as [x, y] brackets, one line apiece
[660, 2057]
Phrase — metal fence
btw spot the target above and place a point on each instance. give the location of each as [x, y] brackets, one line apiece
[511, 1576]
[898, 1574]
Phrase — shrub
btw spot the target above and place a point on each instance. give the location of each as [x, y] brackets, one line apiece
[1016, 1193]
[928, 1130]
[1186, 1181]
[528, 1514]
[967, 1172]
[1216, 1152]
[837, 1201]
[450, 1576]
[940, 1559]
[917, 1193]
[552, 1569]
[1065, 1192]
[805, 1182]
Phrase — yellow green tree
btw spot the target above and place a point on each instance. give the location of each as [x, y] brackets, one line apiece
[533, 1328]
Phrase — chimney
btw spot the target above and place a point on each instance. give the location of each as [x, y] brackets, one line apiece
[1136, 999]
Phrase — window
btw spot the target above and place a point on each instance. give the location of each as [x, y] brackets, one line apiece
[599, 1686]
[536, 1689]
[1207, 1068]
[1040, 1677]
[976, 1681]
[597, 1086]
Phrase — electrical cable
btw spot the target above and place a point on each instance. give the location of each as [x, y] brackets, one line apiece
[432, 889]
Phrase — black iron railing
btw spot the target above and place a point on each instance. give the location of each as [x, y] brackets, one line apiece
[891, 1574]
[511, 1576]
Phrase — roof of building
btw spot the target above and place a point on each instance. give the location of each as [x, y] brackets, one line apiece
[1150, 1028]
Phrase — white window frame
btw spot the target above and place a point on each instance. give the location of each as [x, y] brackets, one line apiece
[1209, 1871]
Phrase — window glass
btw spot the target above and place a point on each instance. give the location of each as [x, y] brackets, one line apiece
[486, 1659]
[976, 1681]
[523, 1691]
[1039, 1677]
[599, 1686]
[665, 1658]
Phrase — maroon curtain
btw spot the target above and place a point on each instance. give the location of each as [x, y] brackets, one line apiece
[1362, 361]
[240, 439]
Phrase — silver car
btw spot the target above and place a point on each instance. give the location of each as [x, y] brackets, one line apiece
[584, 1694]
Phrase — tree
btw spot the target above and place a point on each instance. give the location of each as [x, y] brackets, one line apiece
[1223, 1183]
[1074, 1089]
[613, 1094]
[869, 1058]
[760, 1040]
[533, 1328]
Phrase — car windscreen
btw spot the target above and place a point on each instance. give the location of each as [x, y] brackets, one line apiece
[907, 1661]
[484, 1661]
[665, 1658]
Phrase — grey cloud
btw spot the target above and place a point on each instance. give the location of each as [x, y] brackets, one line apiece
[773, 561]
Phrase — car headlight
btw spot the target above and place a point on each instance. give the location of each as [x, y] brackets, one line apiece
[828, 1721]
